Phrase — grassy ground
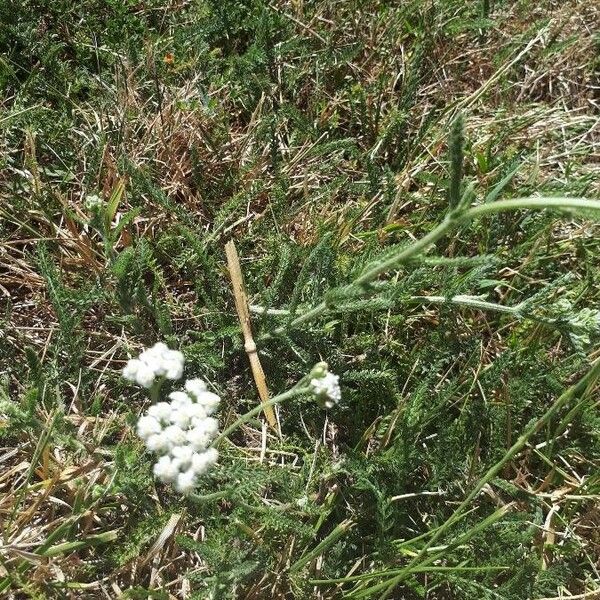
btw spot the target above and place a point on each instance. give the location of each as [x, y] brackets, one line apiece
[315, 134]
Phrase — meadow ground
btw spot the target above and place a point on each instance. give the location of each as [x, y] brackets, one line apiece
[325, 138]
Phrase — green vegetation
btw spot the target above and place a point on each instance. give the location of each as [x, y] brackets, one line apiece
[412, 189]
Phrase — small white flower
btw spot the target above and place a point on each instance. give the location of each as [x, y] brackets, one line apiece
[175, 435]
[180, 417]
[195, 386]
[196, 412]
[212, 455]
[203, 433]
[172, 362]
[157, 361]
[199, 463]
[166, 469]
[209, 401]
[158, 442]
[203, 461]
[174, 371]
[328, 385]
[210, 426]
[183, 454]
[179, 400]
[198, 438]
[144, 375]
[196, 422]
[325, 386]
[179, 431]
[152, 357]
[148, 426]
[131, 368]
[161, 411]
[186, 482]
[159, 348]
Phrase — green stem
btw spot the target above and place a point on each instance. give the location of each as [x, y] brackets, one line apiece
[407, 253]
[331, 539]
[373, 273]
[474, 302]
[307, 316]
[292, 393]
[424, 569]
[470, 301]
[460, 300]
[208, 497]
[531, 204]
[263, 310]
[455, 218]
[155, 390]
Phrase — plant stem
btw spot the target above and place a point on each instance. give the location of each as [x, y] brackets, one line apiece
[292, 393]
[155, 389]
[307, 316]
[373, 273]
[208, 497]
[531, 204]
[460, 300]
[464, 300]
[263, 310]
[331, 539]
[474, 302]
[453, 219]
[407, 253]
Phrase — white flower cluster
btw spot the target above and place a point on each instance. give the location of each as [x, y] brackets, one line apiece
[93, 202]
[180, 431]
[325, 386]
[157, 361]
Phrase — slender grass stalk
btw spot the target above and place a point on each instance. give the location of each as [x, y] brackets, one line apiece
[375, 574]
[91, 540]
[435, 555]
[294, 392]
[331, 539]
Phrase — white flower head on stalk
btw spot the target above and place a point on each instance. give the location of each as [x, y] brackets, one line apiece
[158, 361]
[325, 386]
[180, 432]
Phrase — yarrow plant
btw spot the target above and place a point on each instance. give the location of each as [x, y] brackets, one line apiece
[179, 431]
[182, 431]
